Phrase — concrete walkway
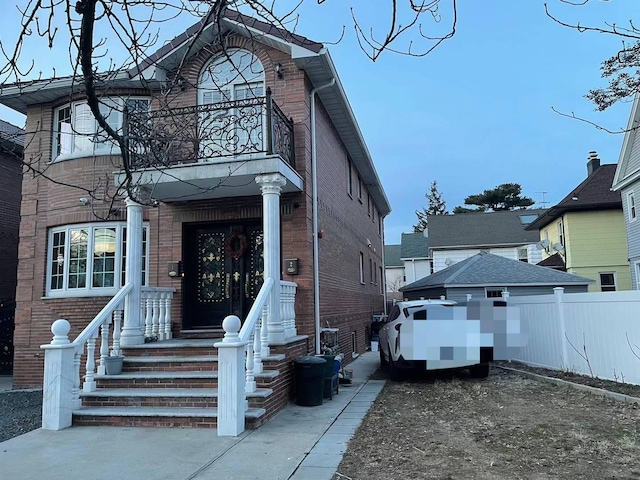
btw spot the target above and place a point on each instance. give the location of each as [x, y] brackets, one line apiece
[6, 382]
[300, 443]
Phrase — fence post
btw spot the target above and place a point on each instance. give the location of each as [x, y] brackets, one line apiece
[57, 388]
[559, 292]
[231, 379]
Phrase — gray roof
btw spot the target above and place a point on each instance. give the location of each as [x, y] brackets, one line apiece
[486, 269]
[414, 245]
[481, 229]
[11, 133]
[392, 256]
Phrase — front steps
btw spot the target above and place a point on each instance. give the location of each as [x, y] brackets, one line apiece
[171, 383]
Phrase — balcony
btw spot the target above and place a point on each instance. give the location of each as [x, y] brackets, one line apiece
[211, 151]
[248, 128]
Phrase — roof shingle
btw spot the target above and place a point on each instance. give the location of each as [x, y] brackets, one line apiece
[414, 245]
[488, 269]
[392, 256]
[481, 229]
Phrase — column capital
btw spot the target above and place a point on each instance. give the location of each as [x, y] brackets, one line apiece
[271, 182]
[131, 202]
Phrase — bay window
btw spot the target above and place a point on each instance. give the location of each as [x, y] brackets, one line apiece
[76, 131]
[90, 259]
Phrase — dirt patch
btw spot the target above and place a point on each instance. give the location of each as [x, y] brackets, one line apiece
[620, 387]
[504, 427]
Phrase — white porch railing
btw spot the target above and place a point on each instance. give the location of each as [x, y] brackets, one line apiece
[288, 307]
[155, 303]
[63, 382]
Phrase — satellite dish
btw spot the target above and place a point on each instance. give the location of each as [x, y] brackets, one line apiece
[558, 247]
[543, 244]
[447, 262]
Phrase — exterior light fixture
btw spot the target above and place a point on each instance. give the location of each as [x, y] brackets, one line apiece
[279, 69]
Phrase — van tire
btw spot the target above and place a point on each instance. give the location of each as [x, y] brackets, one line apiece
[383, 361]
[394, 372]
[480, 371]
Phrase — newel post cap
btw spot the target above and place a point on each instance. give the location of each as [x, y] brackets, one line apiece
[60, 329]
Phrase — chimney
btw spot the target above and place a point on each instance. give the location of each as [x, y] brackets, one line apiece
[593, 164]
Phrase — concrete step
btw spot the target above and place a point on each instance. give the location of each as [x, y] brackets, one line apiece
[174, 347]
[162, 379]
[157, 417]
[168, 398]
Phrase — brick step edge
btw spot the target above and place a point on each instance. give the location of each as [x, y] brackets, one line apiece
[169, 393]
[151, 412]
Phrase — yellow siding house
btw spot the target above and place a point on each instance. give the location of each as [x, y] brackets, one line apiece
[585, 234]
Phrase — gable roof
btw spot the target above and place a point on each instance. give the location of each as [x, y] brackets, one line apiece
[554, 261]
[486, 269]
[11, 137]
[594, 193]
[308, 55]
[414, 245]
[628, 170]
[392, 256]
[481, 229]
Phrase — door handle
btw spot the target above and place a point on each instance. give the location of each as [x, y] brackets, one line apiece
[226, 287]
[246, 285]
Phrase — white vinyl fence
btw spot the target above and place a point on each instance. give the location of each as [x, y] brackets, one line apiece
[595, 334]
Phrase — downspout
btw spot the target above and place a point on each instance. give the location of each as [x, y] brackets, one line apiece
[314, 181]
[384, 268]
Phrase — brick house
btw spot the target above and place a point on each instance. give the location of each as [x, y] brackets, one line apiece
[228, 161]
[11, 146]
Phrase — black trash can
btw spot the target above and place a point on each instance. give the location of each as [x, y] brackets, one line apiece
[309, 376]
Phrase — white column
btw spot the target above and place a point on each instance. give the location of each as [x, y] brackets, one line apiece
[57, 389]
[132, 333]
[231, 379]
[271, 186]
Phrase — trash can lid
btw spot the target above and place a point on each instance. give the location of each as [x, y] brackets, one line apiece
[309, 359]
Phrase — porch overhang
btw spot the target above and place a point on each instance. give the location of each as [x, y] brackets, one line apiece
[210, 180]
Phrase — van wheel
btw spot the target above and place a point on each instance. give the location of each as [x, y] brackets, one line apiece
[383, 361]
[480, 371]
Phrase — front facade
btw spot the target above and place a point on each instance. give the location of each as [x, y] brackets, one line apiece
[454, 238]
[237, 193]
[587, 230]
[627, 182]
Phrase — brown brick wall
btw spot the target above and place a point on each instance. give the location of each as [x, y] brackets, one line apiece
[10, 186]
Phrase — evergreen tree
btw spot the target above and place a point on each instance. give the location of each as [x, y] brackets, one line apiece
[504, 197]
[437, 206]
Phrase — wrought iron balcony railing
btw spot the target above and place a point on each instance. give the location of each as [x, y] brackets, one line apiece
[237, 129]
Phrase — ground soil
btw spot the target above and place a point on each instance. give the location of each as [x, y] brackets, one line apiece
[619, 386]
[507, 426]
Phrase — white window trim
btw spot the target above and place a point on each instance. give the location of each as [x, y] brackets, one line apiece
[615, 280]
[486, 290]
[89, 291]
[560, 226]
[633, 209]
[637, 272]
[361, 261]
[108, 147]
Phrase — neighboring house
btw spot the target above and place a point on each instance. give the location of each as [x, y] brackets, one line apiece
[586, 232]
[405, 263]
[486, 275]
[11, 146]
[414, 252]
[453, 238]
[394, 272]
[627, 183]
[231, 213]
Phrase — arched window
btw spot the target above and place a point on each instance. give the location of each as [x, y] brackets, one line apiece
[235, 81]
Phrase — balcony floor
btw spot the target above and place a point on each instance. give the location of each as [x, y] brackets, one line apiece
[220, 178]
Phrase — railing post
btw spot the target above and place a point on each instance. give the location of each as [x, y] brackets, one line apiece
[269, 122]
[155, 318]
[132, 333]
[162, 315]
[57, 389]
[117, 322]
[231, 379]
[558, 292]
[257, 347]
[167, 318]
[148, 317]
[264, 332]
[89, 384]
[104, 346]
[250, 379]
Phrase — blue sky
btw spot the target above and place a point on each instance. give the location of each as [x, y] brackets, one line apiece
[474, 113]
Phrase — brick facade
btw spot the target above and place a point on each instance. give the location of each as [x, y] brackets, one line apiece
[10, 186]
[348, 224]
